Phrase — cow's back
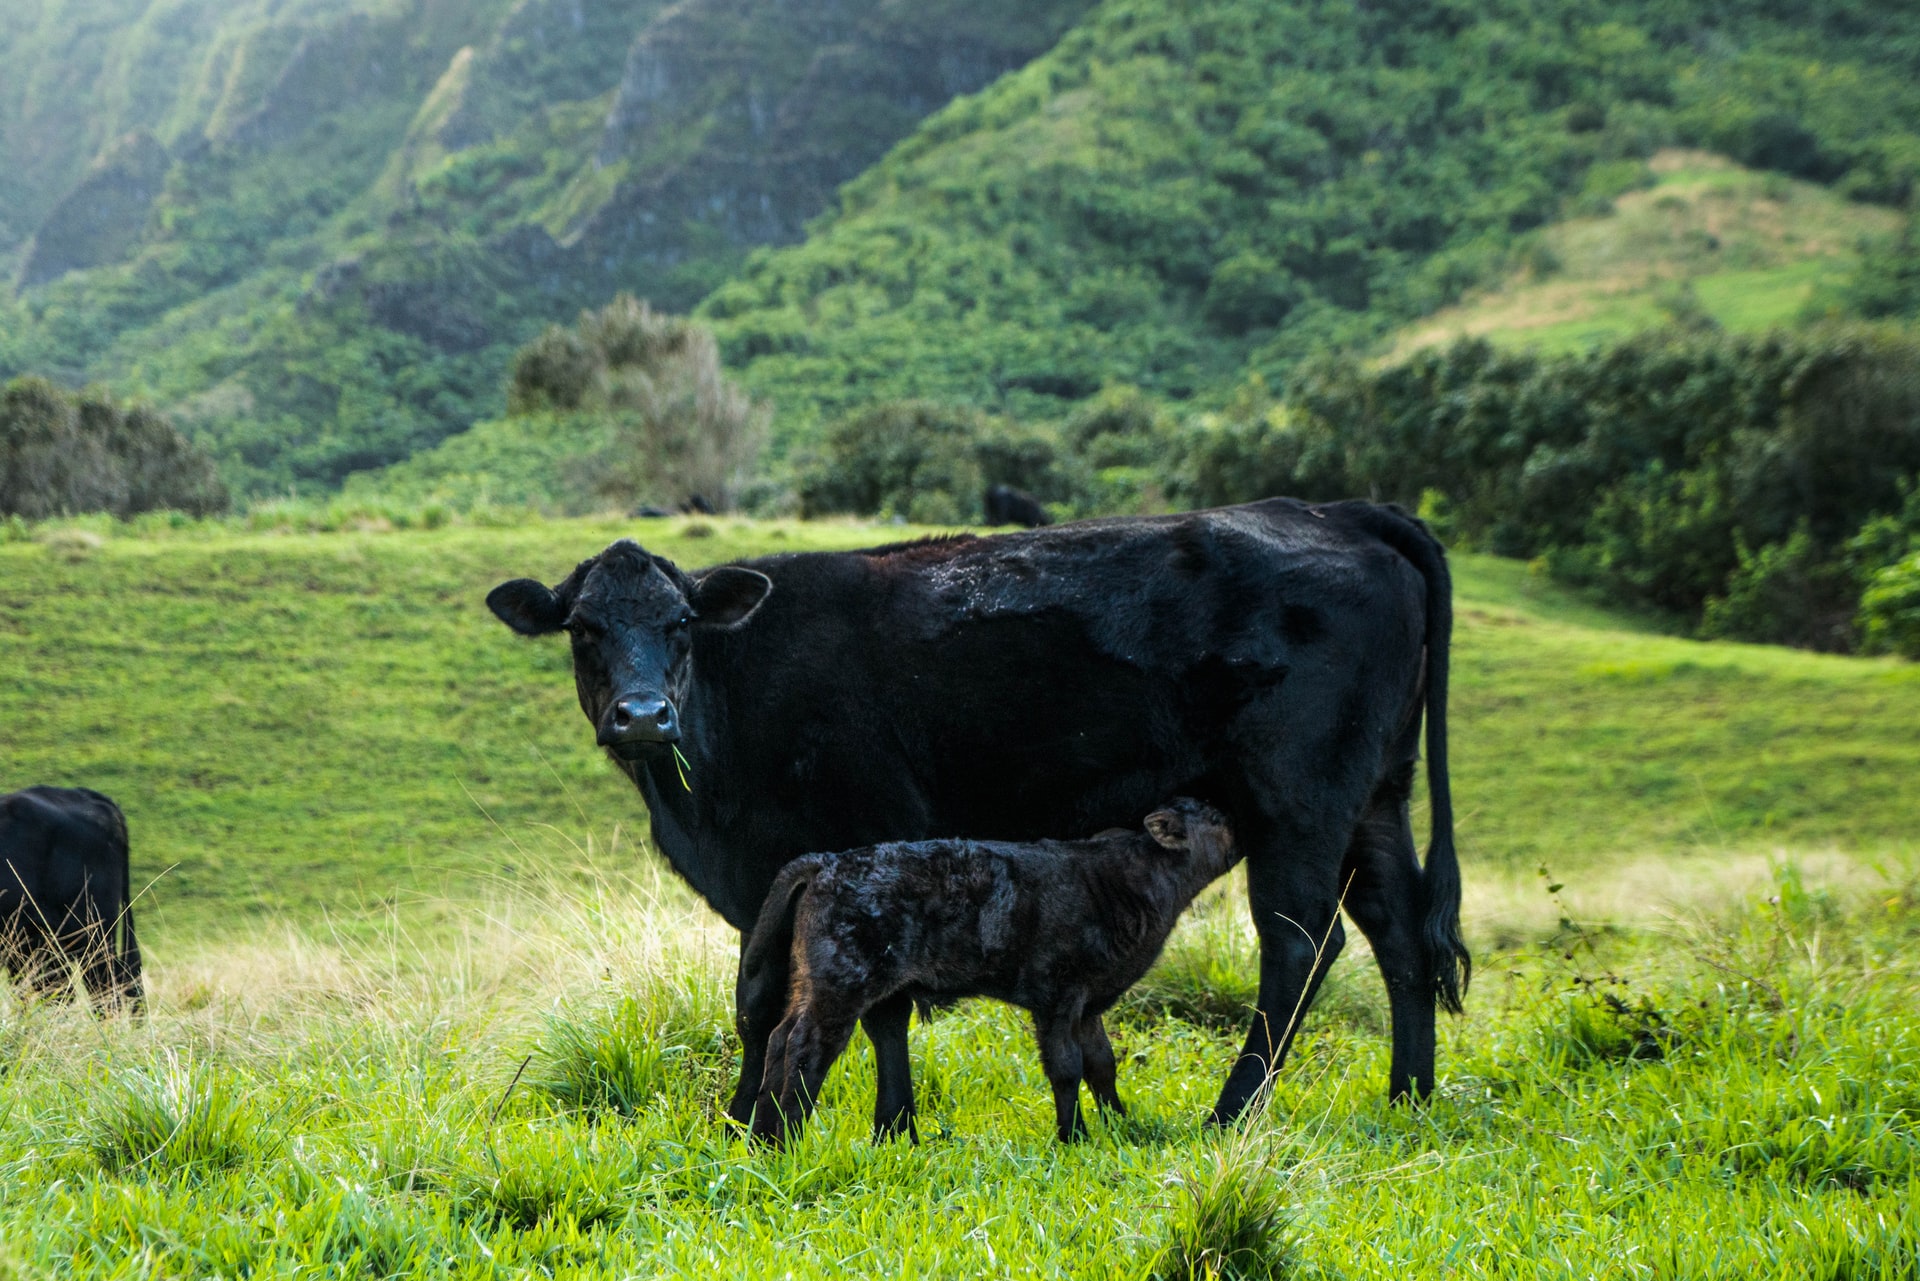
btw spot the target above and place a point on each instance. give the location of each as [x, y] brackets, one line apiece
[1053, 682]
[57, 844]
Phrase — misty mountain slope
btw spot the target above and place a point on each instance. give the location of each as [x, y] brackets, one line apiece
[1181, 194]
[362, 208]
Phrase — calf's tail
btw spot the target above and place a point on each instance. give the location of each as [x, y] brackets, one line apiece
[766, 969]
[1447, 954]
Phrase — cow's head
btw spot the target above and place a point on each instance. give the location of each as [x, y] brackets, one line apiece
[632, 617]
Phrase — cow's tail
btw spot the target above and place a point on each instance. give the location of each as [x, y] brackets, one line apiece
[1447, 954]
[126, 961]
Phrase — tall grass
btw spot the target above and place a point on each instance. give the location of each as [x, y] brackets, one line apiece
[344, 1102]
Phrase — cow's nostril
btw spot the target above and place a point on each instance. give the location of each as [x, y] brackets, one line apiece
[664, 716]
[622, 716]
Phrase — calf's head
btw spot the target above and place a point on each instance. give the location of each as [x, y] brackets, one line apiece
[1197, 831]
[632, 617]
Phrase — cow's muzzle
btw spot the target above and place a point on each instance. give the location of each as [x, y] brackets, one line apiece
[638, 723]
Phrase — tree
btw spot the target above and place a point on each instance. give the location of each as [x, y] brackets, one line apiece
[676, 426]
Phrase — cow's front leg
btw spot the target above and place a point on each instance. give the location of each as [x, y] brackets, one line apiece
[1293, 889]
[886, 1026]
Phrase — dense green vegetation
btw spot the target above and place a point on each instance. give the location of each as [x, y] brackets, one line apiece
[317, 230]
[1754, 486]
[1176, 194]
[63, 453]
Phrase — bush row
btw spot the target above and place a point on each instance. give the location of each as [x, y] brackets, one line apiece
[1761, 488]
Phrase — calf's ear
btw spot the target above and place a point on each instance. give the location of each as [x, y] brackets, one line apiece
[1168, 828]
[726, 597]
[527, 606]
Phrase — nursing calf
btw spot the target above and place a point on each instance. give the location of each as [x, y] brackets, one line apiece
[1060, 928]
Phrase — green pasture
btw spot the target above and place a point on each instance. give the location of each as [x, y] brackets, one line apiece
[320, 722]
[424, 1005]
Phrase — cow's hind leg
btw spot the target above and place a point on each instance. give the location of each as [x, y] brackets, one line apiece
[799, 1053]
[886, 1026]
[48, 972]
[1293, 891]
[99, 973]
[1097, 1062]
[1386, 899]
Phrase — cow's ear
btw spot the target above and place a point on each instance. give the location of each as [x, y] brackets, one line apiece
[528, 606]
[726, 597]
[1168, 828]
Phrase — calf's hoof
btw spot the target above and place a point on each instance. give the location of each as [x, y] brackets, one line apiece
[899, 1127]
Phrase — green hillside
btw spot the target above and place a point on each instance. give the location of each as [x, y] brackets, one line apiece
[307, 721]
[1177, 193]
[316, 231]
[1693, 236]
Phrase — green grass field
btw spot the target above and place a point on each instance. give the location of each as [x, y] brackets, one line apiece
[389, 872]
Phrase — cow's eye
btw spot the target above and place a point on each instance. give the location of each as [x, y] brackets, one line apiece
[685, 620]
[582, 629]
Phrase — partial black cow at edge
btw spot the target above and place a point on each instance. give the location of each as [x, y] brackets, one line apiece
[66, 896]
[1005, 505]
[1275, 660]
[1059, 928]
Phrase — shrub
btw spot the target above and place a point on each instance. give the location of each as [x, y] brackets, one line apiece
[929, 464]
[678, 427]
[1717, 477]
[62, 453]
[1889, 618]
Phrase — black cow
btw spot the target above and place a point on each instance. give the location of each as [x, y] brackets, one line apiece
[1273, 660]
[1005, 505]
[65, 893]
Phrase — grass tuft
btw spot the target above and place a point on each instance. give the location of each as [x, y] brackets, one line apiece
[178, 1116]
[1230, 1221]
[668, 1041]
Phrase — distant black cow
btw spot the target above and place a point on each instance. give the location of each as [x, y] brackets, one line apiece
[66, 894]
[1059, 928]
[1006, 505]
[1274, 660]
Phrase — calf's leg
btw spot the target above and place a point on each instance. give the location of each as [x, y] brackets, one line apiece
[1097, 1061]
[1386, 898]
[799, 1053]
[886, 1026]
[1060, 1057]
